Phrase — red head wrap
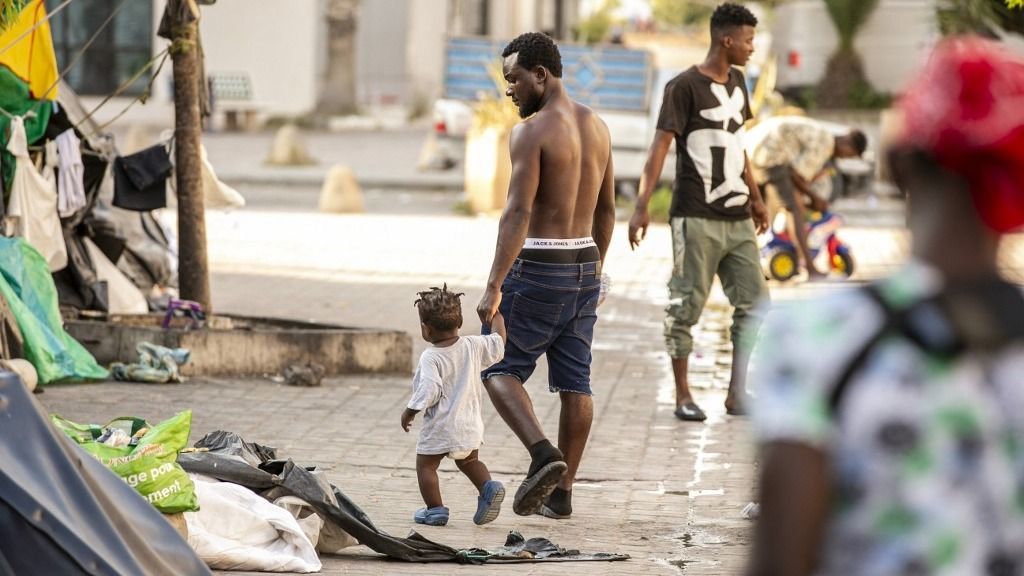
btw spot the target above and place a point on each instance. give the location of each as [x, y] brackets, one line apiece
[967, 109]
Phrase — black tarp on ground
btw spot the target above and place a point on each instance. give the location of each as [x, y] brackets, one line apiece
[226, 456]
[63, 512]
[231, 459]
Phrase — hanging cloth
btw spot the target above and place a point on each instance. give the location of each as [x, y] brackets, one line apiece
[70, 187]
[32, 209]
[31, 58]
[47, 162]
[140, 180]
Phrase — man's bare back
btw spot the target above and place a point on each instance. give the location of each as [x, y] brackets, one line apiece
[574, 153]
[562, 184]
[555, 230]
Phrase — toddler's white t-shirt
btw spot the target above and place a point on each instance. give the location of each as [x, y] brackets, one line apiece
[447, 388]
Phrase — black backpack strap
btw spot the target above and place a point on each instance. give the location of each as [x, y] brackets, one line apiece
[936, 325]
[856, 362]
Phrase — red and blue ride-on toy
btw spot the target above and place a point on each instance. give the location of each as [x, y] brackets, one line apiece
[779, 254]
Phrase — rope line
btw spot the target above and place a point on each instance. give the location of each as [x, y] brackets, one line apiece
[81, 51]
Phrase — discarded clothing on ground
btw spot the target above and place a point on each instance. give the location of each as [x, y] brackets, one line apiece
[229, 458]
[143, 455]
[78, 517]
[28, 288]
[518, 549]
[226, 456]
[157, 365]
[235, 529]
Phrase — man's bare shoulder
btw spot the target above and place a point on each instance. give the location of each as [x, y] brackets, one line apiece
[526, 132]
[587, 114]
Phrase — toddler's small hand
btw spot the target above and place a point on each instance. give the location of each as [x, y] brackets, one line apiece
[407, 420]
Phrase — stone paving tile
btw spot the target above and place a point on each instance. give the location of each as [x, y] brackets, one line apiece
[666, 492]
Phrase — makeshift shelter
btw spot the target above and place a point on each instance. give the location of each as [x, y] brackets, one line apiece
[63, 512]
[30, 88]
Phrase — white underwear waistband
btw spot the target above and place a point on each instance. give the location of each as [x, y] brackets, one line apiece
[559, 243]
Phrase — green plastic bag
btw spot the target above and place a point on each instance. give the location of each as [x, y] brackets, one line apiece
[150, 465]
[26, 284]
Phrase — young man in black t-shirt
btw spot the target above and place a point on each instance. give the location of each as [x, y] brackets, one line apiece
[715, 197]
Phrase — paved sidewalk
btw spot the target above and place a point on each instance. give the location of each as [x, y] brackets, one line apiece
[666, 492]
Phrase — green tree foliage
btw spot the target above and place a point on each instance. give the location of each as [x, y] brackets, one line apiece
[981, 16]
[844, 76]
[9, 10]
[848, 17]
[594, 28]
[679, 13]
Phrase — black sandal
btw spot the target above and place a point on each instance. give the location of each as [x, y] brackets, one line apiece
[690, 412]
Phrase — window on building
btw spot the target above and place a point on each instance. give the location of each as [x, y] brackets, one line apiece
[117, 53]
[471, 17]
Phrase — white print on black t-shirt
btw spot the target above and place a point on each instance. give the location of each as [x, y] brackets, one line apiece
[718, 157]
[730, 107]
[718, 154]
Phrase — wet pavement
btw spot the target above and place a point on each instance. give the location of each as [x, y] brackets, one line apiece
[668, 493]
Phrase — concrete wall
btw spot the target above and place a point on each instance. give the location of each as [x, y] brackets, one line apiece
[428, 28]
[382, 58]
[280, 45]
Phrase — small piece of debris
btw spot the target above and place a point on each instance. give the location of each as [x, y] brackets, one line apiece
[304, 374]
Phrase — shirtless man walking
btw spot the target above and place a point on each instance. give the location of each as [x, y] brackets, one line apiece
[546, 274]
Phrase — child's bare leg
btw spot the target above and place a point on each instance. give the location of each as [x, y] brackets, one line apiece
[475, 470]
[426, 475]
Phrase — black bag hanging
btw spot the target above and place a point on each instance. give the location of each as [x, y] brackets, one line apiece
[140, 180]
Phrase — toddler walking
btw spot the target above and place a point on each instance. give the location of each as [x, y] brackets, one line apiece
[448, 390]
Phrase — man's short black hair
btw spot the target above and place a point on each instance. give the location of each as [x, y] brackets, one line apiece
[535, 49]
[729, 15]
[859, 141]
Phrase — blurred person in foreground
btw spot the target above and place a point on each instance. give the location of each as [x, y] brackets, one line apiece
[891, 418]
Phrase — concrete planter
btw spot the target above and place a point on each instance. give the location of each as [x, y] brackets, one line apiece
[241, 346]
[488, 168]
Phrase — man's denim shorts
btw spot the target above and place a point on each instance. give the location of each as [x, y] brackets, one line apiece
[549, 309]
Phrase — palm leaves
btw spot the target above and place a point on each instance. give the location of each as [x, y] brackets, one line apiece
[983, 17]
[848, 16]
[845, 74]
[9, 10]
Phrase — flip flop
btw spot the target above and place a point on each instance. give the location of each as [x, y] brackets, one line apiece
[690, 412]
[534, 490]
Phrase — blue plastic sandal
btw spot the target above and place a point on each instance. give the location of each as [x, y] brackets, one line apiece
[436, 516]
[488, 504]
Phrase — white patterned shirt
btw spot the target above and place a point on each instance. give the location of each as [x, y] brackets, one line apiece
[926, 454]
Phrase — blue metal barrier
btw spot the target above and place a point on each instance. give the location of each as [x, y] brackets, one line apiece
[602, 77]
